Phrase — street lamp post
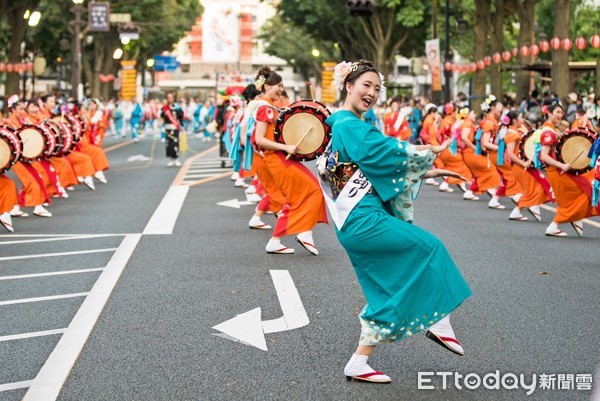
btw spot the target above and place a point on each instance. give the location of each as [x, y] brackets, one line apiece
[447, 55]
[76, 24]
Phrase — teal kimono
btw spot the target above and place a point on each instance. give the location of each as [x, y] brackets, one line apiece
[408, 278]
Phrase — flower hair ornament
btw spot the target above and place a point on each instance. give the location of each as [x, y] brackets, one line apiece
[11, 101]
[486, 106]
[382, 78]
[259, 83]
[505, 120]
[341, 71]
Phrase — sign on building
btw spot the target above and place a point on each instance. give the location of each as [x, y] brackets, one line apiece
[128, 79]
[99, 17]
[328, 92]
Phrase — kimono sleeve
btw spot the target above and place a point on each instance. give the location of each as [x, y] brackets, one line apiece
[392, 166]
[265, 114]
[548, 138]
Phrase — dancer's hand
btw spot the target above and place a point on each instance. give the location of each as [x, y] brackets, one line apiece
[440, 148]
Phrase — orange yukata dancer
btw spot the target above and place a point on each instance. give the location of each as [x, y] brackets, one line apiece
[91, 141]
[536, 187]
[33, 193]
[449, 129]
[485, 176]
[573, 192]
[509, 186]
[62, 165]
[305, 205]
[8, 200]
[428, 134]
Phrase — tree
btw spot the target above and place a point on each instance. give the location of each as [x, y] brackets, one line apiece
[14, 10]
[481, 28]
[526, 12]
[560, 57]
[378, 37]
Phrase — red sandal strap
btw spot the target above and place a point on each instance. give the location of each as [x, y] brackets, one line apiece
[449, 339]
[366, 375]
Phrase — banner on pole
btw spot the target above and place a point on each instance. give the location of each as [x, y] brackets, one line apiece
[432, 52]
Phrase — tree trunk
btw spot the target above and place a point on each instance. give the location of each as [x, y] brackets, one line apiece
[87, 69]
[17, 26]
[497, 45]
[560, 57]
[526, 13]
[482, 12]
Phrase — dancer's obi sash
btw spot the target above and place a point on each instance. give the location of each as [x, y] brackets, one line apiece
[173, 124]
[343, 186]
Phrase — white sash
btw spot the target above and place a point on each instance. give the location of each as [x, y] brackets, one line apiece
[356, 188]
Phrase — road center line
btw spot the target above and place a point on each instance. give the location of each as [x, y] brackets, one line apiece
[164, 217]
[66, 238]
[46, 255]
[47, 384]
[34, 275]
[31, 335]
[41, 299]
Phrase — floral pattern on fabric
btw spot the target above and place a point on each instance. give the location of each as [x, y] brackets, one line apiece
[374, 332]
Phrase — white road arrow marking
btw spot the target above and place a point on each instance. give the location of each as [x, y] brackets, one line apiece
[137, 158]
[234, 203]
[248, 327]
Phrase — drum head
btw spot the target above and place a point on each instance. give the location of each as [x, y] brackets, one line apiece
[33, 143]
[573, 148]
[306, 130]
[5, 155]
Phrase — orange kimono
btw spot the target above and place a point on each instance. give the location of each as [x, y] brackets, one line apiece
[45, 169]
[536, 187]
[99, 160]
[510, 186]
[8, 194]
[573, 192]
[486, 176]
[273, 200]
[397, 128]
[33, 192]
[452, 162]
[305, 205]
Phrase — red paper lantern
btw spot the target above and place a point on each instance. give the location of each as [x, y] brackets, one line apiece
[487, 60]
[515, 52]
[555, 43]
[448, 66]
[30, 66]
[497, 57]
[535, 49]
[545, 46]
[580, 43]
[10, 67]
[506, 55]
[567, 44]
[474, 67]
[524, 51]
[2, 67]
[595, 41]
[480, 65]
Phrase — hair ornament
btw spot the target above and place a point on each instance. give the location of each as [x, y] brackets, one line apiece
[505, 120]
[545, 109]
[382, 78]
[260, 81]
[341, 71]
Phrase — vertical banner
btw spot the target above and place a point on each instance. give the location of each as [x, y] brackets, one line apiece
[432, 52]
[128, 79]
[327, 89]
[99, 17]
[220, 32]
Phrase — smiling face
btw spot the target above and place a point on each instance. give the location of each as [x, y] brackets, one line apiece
[363, 93]
[273, 92]
[557, 115]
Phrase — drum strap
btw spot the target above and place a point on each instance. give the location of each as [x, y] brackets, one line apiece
[38, 179]
[170, 116]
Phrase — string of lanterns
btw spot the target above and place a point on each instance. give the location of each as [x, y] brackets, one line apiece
[525, 51]
[16, 67]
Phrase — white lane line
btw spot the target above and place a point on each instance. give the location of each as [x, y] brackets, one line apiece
[15, 385]
[48, 382]
[200, 175]
[208, 170]
[66, 238]
[294, 314]
[41, 299]
[164, 217]
[59, 235]
[31, 335]
[59, 273]
[587, 221]
[47, 255]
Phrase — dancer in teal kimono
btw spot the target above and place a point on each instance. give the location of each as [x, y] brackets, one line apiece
[408, 278]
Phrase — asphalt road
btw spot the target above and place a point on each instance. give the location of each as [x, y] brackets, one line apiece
[533, 310]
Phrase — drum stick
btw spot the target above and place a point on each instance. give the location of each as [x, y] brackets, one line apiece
[300, 141]
[312, 93]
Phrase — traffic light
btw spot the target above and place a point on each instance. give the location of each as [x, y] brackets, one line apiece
[361, 7]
